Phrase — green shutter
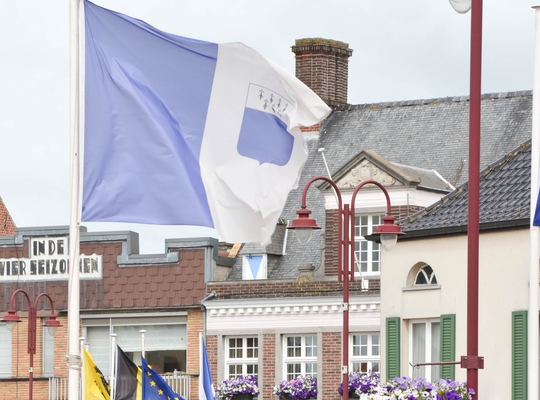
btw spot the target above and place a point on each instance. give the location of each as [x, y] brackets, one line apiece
[393, 349]
[448, 345]
[519, 355]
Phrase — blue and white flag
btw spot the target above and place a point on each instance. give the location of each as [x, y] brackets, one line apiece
[185, 132]
[206, 386]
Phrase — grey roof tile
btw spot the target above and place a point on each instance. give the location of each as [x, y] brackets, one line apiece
[430, 134]
[504, 199]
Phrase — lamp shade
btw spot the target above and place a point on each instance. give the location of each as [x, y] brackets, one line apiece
[52, 324]
[10, 319]
[303, 225]
[388, 232]
[461, 6]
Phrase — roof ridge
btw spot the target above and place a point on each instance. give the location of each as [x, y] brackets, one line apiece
[419, 102]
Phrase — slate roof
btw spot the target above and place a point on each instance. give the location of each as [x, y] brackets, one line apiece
[430, 134]
[505, 188]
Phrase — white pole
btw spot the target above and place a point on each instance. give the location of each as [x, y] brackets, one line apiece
[142, 332]
[533, 318]
[73, 357]
[83, 392]
[112, 379]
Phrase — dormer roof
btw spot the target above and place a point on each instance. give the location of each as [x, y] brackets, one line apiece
[369, 165]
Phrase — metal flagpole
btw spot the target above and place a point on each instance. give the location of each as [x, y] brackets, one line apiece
[83, 392]
[533, 318]
[73, 357]
[112, 379]
[142, 332]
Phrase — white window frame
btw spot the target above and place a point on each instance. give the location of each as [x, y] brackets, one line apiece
[249, 365]
[367, 252]
[427, 273]
[304, 360]
[247, 273]
[6, 346]
[431, 349]
[365, 350]
[47, 353]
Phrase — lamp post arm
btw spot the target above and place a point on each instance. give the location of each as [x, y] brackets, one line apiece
[48, 297]
[378, 184]
[12, 300]
[321, 178]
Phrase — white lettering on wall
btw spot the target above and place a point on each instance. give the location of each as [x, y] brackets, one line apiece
[49, 260]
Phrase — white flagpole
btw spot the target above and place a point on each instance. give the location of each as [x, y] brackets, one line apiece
[74, 357]
[142, 332]
[83, 392]
[533, 318]
[114, 364]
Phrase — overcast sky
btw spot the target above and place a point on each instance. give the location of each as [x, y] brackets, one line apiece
[403, 50]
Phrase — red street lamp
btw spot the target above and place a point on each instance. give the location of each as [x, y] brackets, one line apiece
[52, 325]
[388, 232]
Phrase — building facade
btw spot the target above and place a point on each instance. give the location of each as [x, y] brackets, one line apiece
[424, 285]
[122, 292]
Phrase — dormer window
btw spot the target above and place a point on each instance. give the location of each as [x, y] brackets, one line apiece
[254, 266]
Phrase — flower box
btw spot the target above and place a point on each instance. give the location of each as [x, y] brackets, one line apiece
[300, 388]
[239, 388]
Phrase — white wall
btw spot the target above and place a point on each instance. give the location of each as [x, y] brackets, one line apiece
[504, 270]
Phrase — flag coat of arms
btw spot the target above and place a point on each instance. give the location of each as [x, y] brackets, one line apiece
[181, 131]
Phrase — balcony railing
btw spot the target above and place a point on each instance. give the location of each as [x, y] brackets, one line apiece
[179, 382]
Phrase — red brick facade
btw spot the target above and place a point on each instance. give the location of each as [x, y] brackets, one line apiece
[136, 287]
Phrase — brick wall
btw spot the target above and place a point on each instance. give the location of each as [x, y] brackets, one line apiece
[268, 352]
[331, 362]
[18, 387]
[323, 65]
[304, 286]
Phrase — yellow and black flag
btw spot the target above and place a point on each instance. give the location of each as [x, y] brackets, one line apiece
[95, 385]
[128, 378]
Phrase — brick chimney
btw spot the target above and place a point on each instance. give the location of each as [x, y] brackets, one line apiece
[323, 65]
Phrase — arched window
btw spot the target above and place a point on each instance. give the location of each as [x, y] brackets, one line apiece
[425, 276]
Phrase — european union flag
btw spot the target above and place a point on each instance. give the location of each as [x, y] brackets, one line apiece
[154, 387]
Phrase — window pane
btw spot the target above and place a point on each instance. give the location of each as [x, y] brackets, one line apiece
[311, 369]
[163, 361]
[293, 370]
[157, 337]
[435, 350]
[235, 370]
[252, 369]
[5, 354]
[294, 348]
[375, 345]
[48, 353]
[99, 339]
[311, 346]
[363, 345]
[419, 348]
[252, 347]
